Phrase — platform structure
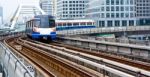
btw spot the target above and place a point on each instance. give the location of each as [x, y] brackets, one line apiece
[27, 9]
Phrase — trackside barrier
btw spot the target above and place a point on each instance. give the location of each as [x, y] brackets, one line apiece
[122, 48]
[111, 47]
[11, 34]
[13, 66]
[103, 30]
[116, 40]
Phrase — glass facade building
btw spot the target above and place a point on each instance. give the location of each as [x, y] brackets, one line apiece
[71, 9]
[143, 12]
[47, 6]
[110, 13]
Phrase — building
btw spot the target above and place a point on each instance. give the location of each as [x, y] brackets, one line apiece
[71, 9]
[47, 6]
[110, 13]
[143, 12]
[1, 15]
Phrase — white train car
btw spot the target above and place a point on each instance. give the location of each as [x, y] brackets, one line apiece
[74, 24]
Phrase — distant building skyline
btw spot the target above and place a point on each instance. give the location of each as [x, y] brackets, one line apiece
[115, 13]
[110, 13]
[143, 12]
[104, 12]
[47, 6]
[71, 9]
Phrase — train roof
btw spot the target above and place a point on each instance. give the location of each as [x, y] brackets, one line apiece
[38, 16]
[79, 20]
[34, 19]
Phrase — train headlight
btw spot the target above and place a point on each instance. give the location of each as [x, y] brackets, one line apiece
[35, 29]
[53, 29]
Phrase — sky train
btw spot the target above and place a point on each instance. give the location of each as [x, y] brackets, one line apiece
[41, 27]
[74, 24]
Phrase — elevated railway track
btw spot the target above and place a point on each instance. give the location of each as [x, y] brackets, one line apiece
[113, 61]
[132, 51]
[112, 57]
[61, 60]
[45, 61]
[119, 63]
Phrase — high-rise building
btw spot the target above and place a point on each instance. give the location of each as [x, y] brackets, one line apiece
[143, 12]
[71, 9]
[47, 6]
[109, 13]
[1, 15]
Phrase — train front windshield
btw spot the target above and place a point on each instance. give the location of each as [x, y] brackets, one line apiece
[37, 23]
[44, 22]
[51, 23]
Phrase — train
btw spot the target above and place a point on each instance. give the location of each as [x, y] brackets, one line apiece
[74, 24]
[41, 27]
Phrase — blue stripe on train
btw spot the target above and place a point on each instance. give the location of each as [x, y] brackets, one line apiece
[53, 35]
[74, 27]
[36, 35]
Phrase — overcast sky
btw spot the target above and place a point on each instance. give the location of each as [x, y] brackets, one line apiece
[9, 7]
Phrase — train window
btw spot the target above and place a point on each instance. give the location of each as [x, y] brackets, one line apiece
[69, 24]
[64, 24]
[51, 23]
[75, 24]
[59, 24]
[139, 38]
[36, 23]
[30, 24]
[144, 38]
[82, 23]
[89, 23]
